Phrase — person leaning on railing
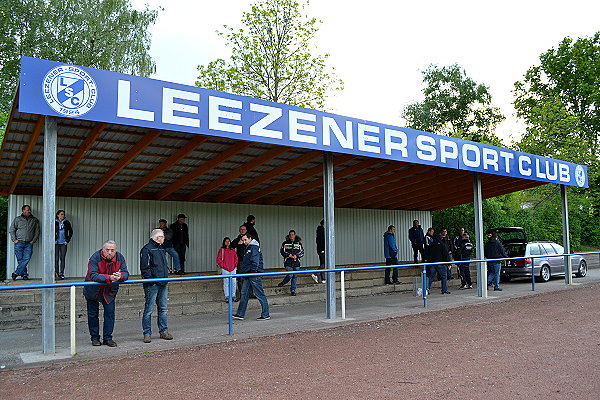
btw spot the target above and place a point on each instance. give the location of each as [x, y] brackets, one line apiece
[106, 266]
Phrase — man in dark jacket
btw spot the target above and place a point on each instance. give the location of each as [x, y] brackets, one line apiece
[153, 264]
[105, 266]
[240, 249]
[250, 222]
[252, 262]
[437, 252]
[464, 254]
[494, 249]
[168, 244]
[320, 251]
[390, 252]
[416, 237]
[181, 240]
[292, 251]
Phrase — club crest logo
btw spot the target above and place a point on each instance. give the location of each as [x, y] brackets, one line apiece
[579, 176]
[70, 90]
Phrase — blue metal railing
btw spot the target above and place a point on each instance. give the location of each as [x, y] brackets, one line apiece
[305, 271]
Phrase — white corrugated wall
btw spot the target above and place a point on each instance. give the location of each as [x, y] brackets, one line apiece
[359, 232]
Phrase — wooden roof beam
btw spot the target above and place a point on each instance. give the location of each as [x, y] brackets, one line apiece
[173, 159]
[302, 159]
[146, 140]
[87, 143]
[258, 161]
[234, 149]
[338, 161]
[37, 131]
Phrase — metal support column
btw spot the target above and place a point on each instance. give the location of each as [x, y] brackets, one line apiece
[328, 206]
[477, 205]
[566, 240]
[47, 234]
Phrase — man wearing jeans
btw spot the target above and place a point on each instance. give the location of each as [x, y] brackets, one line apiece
[390, 252]
[153, 264]
[494, 249]
[24, 232]
[252, 262]
[106, 266]
[291, 251]
[168, 244]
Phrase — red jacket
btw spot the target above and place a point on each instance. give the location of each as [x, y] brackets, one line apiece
[99, 270]
[227, 259]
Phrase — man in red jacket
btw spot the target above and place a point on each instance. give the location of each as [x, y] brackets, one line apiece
[105, 266]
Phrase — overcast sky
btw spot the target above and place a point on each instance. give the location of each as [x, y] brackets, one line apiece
[380, 47]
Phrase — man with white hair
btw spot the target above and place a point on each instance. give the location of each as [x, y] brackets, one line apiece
[153, 264]
[105, 266]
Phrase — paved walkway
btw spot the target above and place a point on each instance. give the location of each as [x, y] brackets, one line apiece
[23, 347]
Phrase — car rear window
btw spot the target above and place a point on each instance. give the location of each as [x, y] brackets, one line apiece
[515, 250]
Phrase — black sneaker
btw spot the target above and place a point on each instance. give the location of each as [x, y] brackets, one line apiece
[238, 317]
[293, 294]
[109, 343]
[280, 284]
[25, 278]
[14, 276]
[96, 342]
[261, 318]
[497, 289]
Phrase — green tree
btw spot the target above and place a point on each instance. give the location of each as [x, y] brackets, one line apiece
[271, 58]
[454, 105]
[559, 99]
[105, 34]
[560, 102]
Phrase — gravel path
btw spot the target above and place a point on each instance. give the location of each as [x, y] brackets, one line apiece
[543, 346]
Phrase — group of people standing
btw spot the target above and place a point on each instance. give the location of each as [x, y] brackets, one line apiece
[441, 248]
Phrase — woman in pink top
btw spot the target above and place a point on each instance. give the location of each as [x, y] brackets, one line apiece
[227, 261]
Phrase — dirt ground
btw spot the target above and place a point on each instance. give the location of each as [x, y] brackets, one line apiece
[544, 346]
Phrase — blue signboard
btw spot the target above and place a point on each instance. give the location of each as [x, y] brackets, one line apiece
[57, 89]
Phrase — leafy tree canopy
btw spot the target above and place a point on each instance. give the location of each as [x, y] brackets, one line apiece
[271, 58]
[560, 102]
[454, 105]
[105, 34]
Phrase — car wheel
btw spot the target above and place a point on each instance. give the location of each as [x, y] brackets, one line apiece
[582, 271]
[545, 273]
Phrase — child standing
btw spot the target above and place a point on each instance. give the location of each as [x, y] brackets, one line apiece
[227, 261]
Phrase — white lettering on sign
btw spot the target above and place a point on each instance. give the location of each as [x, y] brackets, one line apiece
[426, 148]
[363, 138]
[523, 170]
[475, 160]
[296, 127]
[259, 128]
[330, 125]
[390, 144]
[169, 106]
[448, 150]
[124, 109]
[215, 114]
[490, 158]
[507, 158]
[564, 175]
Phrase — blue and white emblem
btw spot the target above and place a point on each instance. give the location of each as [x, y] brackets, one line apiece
[70, 90]
[579, 176]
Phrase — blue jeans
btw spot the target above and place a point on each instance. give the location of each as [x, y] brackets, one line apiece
[442, 270]
[93, 311]
[171, 251]
[256, 283]
[23, 253]
[158, 294]
[292, 277]
[494, 274]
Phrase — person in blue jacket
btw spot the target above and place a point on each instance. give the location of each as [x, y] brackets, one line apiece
[390, 251]
[252, 263]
